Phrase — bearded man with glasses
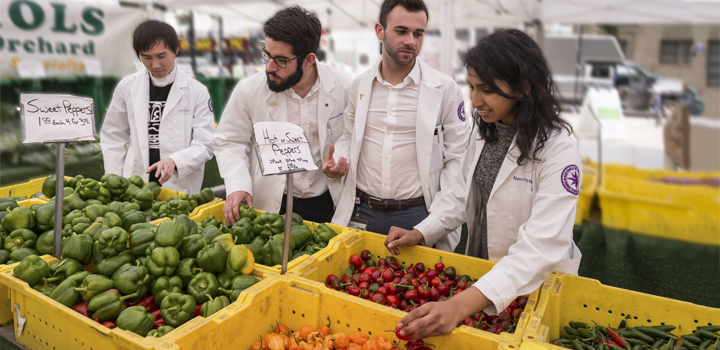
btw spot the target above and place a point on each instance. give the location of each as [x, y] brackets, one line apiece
[295, 88]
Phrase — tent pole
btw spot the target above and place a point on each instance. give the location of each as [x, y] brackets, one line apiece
[578, 64]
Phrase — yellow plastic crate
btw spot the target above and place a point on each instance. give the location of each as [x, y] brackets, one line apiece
[660, 219]
[565, 298]
[337, 260]
[296, 302]
[26, 189]
[699, 198]
[50, 325]
[630, 171]
[216, 210]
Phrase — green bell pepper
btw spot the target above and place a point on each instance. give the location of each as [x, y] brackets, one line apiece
[94, 202]
[135, 279]
[74, 181]
[259, 240]
[301, 234]
[132, 217]
[109, 265]
[78, 277]
[202, 285]
[191, 199]
[141, 261]
[268, 224]
[113, 219]
[104, 195]
[242, 229]
[209, 233]
[211, 221]
[8, 206]
[177, 308]
[299, 254]
[66, 294]
[186, 270]
[48, 186]
[65, 268]
[256, 250]
[224, 280]
[72, 202]
[154, 187]
[113, 241]
[68, 218]
[87, 189]
[45, 217]
[137, 181]
[212, 258]
[323, 234]
[205, 196]
[213, 305]
[109, 304]
[20, 238]
[127, 207]
[140, 240]
[239, 284]
[157, 205]
[143, 226]
[129, 194]
[190, 246]
[144, 198]
[164, 286]
[246, 211]
[136, 319]
[169, 234]
[79, 247]
[45, 288]
[239, 261]
[162, 261]
[4, 256]
[161, 331]
[32, 270]
[79, 225]
[22, 253]
[19, 218]
[188, 224]
[94, 285]
[96, 229]
[95, 211]
[115, 184]
[225, 240]
[295, 219]
[273, 250]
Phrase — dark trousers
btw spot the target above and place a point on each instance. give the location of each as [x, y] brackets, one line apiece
[380, 221]
[319, 209]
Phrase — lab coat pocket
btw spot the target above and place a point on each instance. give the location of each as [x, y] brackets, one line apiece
[520, 204]
[437, 160]
[335, 127]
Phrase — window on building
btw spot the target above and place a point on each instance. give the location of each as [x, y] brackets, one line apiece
[713, 63]
[675, 51]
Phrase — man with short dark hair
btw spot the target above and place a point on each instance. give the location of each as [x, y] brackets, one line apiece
[295, 88]
[404, 137]
[159, 124]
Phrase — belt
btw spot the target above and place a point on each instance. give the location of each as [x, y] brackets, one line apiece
[386, 205]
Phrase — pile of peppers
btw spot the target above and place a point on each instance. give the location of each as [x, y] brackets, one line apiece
[387, 282]
[584, 336]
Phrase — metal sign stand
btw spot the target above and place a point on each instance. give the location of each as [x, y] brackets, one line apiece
[59, 182]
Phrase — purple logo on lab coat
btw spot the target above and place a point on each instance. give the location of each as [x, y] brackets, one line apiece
[570, 179]
[461, 111]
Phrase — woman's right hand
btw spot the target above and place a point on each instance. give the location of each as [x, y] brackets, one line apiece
[398, 237]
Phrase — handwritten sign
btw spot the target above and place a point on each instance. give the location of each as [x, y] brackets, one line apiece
[282, 148]
[57, 117]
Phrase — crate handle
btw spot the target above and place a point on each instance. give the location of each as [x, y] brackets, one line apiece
[352, 241]
[556, 288]
[305, 290]
[309, 271]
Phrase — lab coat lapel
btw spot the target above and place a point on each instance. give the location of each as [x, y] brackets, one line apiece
[361, 110]
[428, 109]
[326, 104]
[141, 112]
[508, 166]
[176, 93]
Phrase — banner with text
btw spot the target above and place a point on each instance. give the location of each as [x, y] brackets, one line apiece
[56, 117]
[63, 35]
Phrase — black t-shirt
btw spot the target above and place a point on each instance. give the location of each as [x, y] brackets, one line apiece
[158, 97]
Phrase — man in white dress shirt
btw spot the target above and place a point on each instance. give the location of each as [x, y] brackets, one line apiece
[404, 136]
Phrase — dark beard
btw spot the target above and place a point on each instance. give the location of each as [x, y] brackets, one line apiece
[289, 82]
[393, 55]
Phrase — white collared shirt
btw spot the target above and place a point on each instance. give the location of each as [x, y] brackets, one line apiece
[387, 165]
[303, 112]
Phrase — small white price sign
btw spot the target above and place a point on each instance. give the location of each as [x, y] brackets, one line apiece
[282, 148]
[57, 117]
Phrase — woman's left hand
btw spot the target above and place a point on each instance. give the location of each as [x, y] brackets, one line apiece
[440, 318]
[164, 169]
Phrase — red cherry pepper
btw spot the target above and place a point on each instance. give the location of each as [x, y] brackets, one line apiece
[431, 274]
[513, 305]
[366, 255]
[383, 291]
[355, 260]
[522, 301]
[423, 292]
[369, 270]
[398, 335]
[393, 301]
[415, 345]
[148, 302]
[434, 294]
[365, 294]
[379, 298]
[439, 267]
[462, 284]
[197, 311]
[354, 290]
[411, 294]
[516, 313]
[382, 262]
[82, 309]
[420, 267]
[329, 279]
[109, 324]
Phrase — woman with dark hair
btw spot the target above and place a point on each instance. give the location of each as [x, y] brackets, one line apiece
[523, 177]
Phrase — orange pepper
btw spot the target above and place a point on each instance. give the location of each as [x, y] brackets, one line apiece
[281, 329]
[371, 344]
[256, 346]
[313, 337]
[302, 345]
[286, 340]
[383, 343]
[276, 342]
[305, 331]
[341, 340]
[324, 330]
[359, 338]
[293, 343]
[354, 346]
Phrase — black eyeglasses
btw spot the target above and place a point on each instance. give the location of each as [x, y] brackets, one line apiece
[281, 62]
